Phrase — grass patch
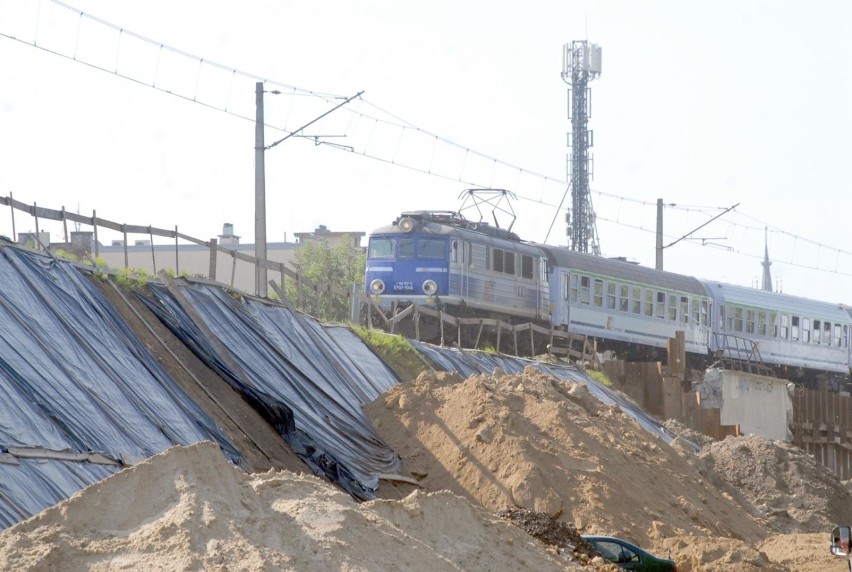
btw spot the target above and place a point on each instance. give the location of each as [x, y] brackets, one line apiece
[395, 350]
[599, 376]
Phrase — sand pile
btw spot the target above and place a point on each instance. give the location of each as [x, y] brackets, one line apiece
[531, 441]
[784, 482]
[536, 443]
[189, 509]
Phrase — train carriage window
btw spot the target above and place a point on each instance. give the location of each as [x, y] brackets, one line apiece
[649, 302]
[806, 330]
[684, 309]
[705, 312]
[749, 321]
[696, 314]
[431, 248]
[610, 295]
[624, 298]
[773, 324]
[837, 340]
[785, 321]
[826, 333]
[637, 300]
[661, 305]
[381, 248]
[794, 329]
[845, 336]
[574, 289]
[738, 319]
[509, 264]
[405, 249]
[817, 331]
[526, 267]
[672, 308]
[761, 323]
[599, 293]
[585, 287]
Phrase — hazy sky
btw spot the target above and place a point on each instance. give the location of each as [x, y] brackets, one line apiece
[702, 104]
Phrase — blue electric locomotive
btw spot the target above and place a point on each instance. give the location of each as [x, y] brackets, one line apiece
[440, 258]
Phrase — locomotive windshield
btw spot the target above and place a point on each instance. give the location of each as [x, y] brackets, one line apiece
[408, 248]
[381, 248]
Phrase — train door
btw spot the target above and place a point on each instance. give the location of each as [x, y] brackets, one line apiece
[562, 297]
[544, 305]
[459, 259]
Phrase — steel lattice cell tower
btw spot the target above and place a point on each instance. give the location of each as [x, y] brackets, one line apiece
[581, 63]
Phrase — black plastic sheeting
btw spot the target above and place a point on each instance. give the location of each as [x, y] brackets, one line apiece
[467, 363]
[75, 379]
[308, 382]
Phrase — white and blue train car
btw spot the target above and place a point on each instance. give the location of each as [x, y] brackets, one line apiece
[788, 330]
[611, 299]
[438, 257]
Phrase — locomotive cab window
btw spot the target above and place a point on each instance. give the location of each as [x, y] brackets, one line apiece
[431, 248]
[405, 249]
[381, 248]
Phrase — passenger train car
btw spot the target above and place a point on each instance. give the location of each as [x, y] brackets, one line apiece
[440, 259]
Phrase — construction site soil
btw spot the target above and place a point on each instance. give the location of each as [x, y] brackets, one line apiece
[487, 451]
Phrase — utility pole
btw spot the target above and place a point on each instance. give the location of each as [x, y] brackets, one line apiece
[260, 181]
[259, 196]
[659, 265]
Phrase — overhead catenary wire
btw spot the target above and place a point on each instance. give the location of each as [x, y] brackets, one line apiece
[379, 115]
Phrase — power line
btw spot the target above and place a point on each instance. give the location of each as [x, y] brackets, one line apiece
[355, 126]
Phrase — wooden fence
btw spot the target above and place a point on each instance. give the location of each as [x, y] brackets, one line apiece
[822, 426]
[304, 288]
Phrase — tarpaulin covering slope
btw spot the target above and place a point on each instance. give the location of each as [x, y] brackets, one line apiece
[74, 380]
[467, 363]
[303, 380]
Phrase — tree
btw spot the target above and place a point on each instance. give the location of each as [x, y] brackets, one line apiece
[331, 272]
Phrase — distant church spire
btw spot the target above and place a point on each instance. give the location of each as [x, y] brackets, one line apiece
[767, 276]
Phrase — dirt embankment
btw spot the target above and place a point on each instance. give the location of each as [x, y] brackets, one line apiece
[531, 441]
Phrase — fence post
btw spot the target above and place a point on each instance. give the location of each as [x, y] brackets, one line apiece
[213, 254]
[126, 260]
[95, 228]
[177, 262]
[12, 210]
[65, 225]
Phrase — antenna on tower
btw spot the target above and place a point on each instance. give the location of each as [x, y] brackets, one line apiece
[581, 63]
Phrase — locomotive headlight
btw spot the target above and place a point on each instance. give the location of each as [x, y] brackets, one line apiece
[406, 224]
[377, 286]
[430, 287]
